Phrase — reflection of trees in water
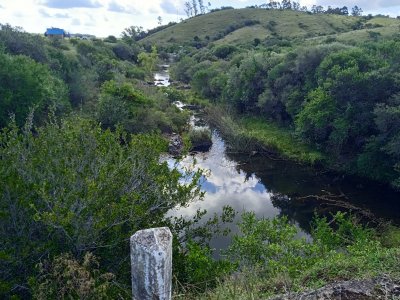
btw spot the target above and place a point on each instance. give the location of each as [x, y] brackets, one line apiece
[302, 209]
[295, 211]
[300, 190]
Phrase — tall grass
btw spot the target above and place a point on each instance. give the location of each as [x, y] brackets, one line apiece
[247, 134]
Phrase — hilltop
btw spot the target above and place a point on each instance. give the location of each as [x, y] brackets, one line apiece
[243, 26]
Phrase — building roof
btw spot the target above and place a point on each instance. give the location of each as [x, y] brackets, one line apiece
[55, 31]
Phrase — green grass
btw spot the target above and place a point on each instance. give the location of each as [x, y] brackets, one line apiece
[390, 28]
[280, 139]
[334, 267]
[289, 24]
[245, 35]
[272, 261]
[390, 236]
[247, 134]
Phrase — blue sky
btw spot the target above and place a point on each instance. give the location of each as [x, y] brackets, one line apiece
[105, 17]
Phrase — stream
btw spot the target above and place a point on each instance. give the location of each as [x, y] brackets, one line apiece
[272, 187]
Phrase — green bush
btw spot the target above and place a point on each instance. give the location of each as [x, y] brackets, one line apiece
[223, 51]
[126, 52]
[200, 139]
[110, 39]
[124, 105]
[65, 277]
[71, 187]
[26, 85]
[273, 260]
[16, 42]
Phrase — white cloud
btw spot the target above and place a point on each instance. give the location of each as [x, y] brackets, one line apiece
[112, 16]
[114, 6]
[62, 4]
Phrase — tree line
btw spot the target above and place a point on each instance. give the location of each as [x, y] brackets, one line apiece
[343, 100]
[315, 9]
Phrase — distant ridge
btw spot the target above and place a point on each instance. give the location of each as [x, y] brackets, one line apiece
[243, 26]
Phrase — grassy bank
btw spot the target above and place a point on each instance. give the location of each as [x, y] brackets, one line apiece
[271, 261]
[249, 134]
[282, 140]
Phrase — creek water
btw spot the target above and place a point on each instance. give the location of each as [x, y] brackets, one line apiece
[273, 187]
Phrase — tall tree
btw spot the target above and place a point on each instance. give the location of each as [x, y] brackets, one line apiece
[202, 7]
[296, 6]
[286, 4]
[356, 11]
[317, 9]
[194, 6]
[188, 9]
[133, 33]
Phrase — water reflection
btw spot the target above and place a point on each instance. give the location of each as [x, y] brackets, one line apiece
[290, 182]
[225, 183]
[161, 78]
[272, 187]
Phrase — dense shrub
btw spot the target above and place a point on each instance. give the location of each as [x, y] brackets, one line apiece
[200, 139]
[125, 52]
[73, 188]
[26, 85]
[110, 39]
[16, 41]
[224, 51]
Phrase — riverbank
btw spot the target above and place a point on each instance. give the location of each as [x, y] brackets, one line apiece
[301, 265]
[252, 134]
[273, 264]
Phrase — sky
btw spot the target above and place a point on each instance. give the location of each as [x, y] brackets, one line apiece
[111, 17]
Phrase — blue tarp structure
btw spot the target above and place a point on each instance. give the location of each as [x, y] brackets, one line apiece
[55, 31]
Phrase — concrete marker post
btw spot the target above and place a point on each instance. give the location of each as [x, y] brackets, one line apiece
[151, 264]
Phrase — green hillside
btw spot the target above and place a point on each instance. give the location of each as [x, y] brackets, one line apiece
[241, 26]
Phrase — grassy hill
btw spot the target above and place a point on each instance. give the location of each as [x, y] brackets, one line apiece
[241, 26]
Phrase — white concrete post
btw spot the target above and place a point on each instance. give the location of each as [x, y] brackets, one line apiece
[151, 261]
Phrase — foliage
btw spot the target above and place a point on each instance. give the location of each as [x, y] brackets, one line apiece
[121, 104]
[110, 39]
[26, 85]
[245, 82]
[338, 98]
[270, 244]
[16, 41]
[209, 79]
[273, 261]
[66, 277]
[315, 119]
[182, 70]
[133, 34]
[125, 52]
[194, 266]
[200, 139]
[71, 187]
[148, 60]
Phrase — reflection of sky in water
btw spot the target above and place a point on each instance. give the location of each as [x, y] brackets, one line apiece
[161, 78]
[225, 184]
